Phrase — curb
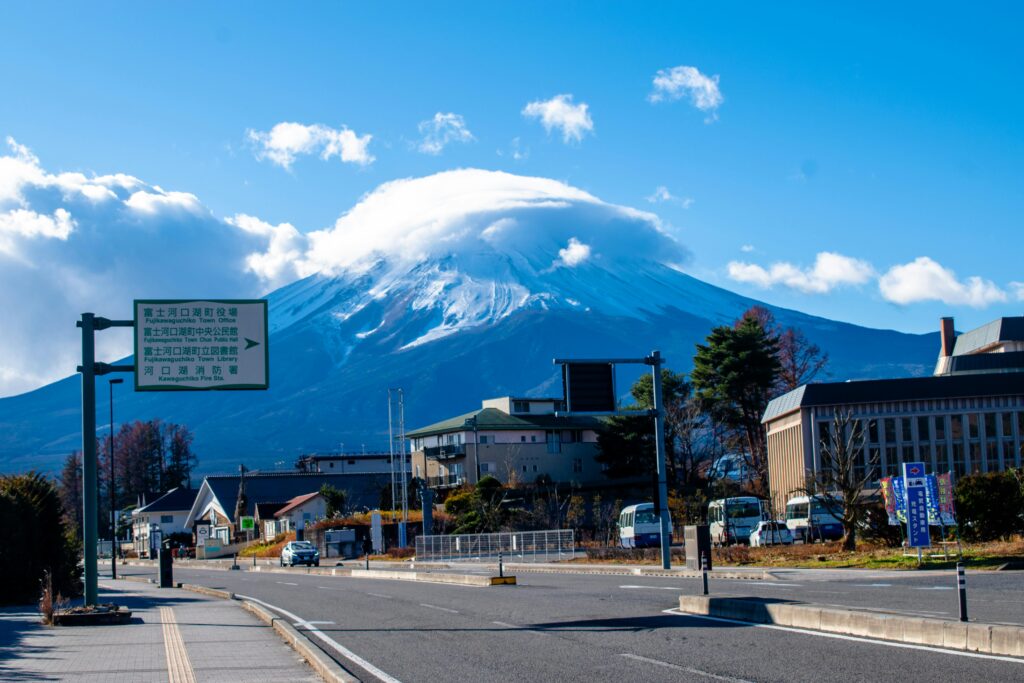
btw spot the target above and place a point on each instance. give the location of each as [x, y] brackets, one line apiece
[212, 592]
[325, 667]
[992, 639]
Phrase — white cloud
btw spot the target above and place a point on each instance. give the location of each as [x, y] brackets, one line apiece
[923, 279]
[70, 242]
[687, 81]
[155, 202]
[1018, 290]
[830, 270]
[662, 195]
[441, 130]
[574, 253]
[287, 140]
[559, 112]
[278, 265]
[747, 248]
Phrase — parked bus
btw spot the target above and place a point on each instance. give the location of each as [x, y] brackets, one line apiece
[640, 527]
[810, 520]
[732, 519]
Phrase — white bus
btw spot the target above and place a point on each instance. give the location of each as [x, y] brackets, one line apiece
[640, 527]
[810, 520]
[732, 519]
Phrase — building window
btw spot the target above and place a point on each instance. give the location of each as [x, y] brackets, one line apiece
[331, 464]
[534, 468]
[351, 462]
[577, 465]
[890, 430]
[487, 468]
[554, 442]
[972, 422]
[940, 428]
[523, 439]
[905, 430]
[167, 519]
[923, 431]
[520, 406]
[524, 469]
[483, 438]
[533, 438]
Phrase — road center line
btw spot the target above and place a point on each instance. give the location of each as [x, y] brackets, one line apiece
[687, 669]
[657, 588]
[856, 639]
[287, 583]
[443, 609]
[380, 595]
[330, 642]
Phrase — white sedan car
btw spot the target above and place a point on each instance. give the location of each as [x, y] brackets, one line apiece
[770, 533]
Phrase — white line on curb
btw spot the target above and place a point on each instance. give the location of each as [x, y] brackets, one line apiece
[687, 669]
[334, 645]
[839, 636]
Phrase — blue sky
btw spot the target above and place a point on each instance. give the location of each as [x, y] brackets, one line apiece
[888, 137]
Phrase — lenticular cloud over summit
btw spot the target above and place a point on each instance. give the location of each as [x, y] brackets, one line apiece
[472, 211]
[460, 248]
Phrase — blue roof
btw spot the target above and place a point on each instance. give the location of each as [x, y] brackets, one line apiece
[174, 500]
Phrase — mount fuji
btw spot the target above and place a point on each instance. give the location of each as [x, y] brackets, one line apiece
[455, 287]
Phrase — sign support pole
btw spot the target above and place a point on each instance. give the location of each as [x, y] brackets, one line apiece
[659, 444]
[90, 511]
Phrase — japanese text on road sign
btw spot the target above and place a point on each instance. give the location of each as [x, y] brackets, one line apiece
[200, 345]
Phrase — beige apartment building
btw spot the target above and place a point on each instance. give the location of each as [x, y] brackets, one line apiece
[968, 417]
[513, 439]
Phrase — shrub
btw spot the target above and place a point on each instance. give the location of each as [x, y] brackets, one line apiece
[990, 506]
[34, 538]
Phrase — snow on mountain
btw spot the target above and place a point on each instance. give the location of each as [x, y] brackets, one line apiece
[457, 287]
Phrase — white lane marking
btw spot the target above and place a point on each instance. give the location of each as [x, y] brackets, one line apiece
[934, 588]
[657, 588]
[320, 623]
[333, 644]
[873, 585]
[687, 669]
[380, 595]
[443, 609]
[773, 584]
[839, 636]
[287, 583]
[331, 588]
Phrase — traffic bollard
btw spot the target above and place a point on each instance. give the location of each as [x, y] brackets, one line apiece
[961, 581]
[704, 571]
[501, 568]
[367, 561]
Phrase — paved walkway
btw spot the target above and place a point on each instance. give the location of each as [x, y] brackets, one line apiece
[175, 636]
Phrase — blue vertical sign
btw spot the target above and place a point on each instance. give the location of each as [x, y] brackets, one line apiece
[916, 486]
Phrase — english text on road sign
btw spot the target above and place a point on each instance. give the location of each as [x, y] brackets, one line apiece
[201, 345]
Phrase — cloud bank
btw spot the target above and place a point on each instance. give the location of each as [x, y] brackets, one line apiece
[830, 270]
[926, 280]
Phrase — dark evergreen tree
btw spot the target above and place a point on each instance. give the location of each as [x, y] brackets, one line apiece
[69, 488]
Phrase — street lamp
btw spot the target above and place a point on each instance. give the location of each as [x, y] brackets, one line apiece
[113, 523]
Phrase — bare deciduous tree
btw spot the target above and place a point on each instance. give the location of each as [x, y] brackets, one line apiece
[844, 474]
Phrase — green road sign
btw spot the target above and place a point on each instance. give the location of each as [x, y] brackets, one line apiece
[247, 523]
[201, 345]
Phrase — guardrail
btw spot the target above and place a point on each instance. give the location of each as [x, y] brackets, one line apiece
[514, 546]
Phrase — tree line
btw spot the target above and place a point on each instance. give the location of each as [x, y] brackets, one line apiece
[150, 458]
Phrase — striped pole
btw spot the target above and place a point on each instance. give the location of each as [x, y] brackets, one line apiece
[704, 571]
[961, 581]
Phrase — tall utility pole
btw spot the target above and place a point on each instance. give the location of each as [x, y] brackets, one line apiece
[391, 459]
[404, 524]
[113, 486]
[659, 445]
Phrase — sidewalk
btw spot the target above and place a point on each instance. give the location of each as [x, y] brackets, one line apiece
[175, 636]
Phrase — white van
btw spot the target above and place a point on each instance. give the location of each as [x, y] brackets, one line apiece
[731, 520]
[639, 527]
[810, 520]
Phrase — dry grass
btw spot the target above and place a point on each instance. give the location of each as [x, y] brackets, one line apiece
[271, 549]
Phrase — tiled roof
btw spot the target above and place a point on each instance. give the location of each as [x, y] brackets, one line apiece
[296, 502]
[175, 500]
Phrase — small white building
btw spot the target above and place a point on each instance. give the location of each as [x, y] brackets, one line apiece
[168, 513]
[301, 511]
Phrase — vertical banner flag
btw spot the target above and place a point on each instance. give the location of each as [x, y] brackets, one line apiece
[889, 496]
[916, 490]
[899, 493]
[947, 509]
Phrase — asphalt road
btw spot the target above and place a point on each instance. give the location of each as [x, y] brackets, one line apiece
[555, 627]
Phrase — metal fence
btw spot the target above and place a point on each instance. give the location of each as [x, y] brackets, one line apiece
[515, 546]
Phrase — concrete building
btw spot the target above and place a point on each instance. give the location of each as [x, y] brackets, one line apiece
[169, 513]
[968, 417]
[512, 439]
